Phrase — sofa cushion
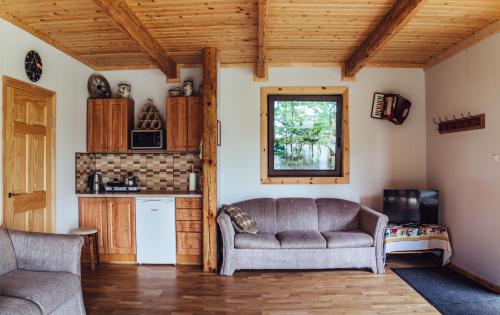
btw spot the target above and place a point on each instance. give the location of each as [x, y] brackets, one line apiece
[10, 305]
[296, 214]
[261, 240]
[242, 221]
[47, 290]
[337, 214]
[301, 239]
[348, 239]
[263, 210]
[8, 260]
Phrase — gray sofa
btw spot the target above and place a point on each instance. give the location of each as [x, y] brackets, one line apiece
[40, 273]
[303, 233]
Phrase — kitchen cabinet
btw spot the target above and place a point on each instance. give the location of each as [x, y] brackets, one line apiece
[121, 226]
[189, 226]
[109, 122]
[114, 219]
[184, 123]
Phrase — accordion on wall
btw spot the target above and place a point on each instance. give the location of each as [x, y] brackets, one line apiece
[391, 107]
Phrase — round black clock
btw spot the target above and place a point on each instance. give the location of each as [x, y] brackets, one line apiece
[33, 65]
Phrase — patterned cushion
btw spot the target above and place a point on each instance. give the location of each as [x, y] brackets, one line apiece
[242, 221]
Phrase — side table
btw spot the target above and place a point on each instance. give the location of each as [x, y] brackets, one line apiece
[422, 237]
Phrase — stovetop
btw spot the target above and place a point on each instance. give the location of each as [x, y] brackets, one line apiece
[121, 188]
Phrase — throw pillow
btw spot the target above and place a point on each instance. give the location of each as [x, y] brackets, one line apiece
[242, 221]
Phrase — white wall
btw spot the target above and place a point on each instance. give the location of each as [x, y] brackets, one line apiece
[382, 155]
[462, 165]
[68, 78]
[150, 84]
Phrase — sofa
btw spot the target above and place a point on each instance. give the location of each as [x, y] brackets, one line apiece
[304, 233]
[40, 273]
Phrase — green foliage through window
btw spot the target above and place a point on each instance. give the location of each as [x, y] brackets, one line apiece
[305, 134]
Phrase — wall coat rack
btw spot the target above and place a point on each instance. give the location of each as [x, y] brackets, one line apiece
[462, 123]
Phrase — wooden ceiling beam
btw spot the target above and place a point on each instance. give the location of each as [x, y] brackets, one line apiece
[121, 13]
[261, 66]
[399, 14]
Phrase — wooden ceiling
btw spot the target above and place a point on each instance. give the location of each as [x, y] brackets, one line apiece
[106, 34]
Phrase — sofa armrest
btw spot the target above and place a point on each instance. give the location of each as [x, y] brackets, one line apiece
[373, 223]
[47, 252]
[227, 230]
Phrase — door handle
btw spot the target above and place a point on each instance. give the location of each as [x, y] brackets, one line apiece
[10, 195]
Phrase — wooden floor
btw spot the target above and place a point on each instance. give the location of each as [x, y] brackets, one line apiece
[130, 289]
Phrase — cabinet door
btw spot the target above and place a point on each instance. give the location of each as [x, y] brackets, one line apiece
[121, 226]
[96, 125]
[177, 124]
[93, 214]
[194, 123]
[117, 125]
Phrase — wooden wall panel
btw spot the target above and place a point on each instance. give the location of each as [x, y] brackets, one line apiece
[299, 32]
[437, 26]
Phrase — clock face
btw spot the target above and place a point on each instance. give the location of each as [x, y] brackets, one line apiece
[33, 66]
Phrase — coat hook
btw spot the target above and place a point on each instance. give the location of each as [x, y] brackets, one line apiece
[470, 116]
[434, 121]
[445, 118]
[462, 115]
[455, 118]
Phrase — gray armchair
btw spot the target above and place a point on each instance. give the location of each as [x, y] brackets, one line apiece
[40, 273]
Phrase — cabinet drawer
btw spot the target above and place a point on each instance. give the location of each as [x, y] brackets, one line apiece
[189, 226]
[189, 203]
[189, 243]
[189, 214]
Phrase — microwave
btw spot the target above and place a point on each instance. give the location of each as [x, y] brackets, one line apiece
[147, 139]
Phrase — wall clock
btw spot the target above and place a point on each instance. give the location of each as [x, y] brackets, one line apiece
[33, 66]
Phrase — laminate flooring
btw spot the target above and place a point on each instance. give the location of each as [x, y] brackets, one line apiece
[131, 289]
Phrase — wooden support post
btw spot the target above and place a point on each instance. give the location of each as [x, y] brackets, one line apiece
[260, 73]
[209, 159]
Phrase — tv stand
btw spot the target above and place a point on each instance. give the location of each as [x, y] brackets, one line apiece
[413, 237]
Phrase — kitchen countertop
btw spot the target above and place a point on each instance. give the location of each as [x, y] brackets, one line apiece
[152, 194]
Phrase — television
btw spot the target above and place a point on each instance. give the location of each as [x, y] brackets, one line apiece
[411, 206]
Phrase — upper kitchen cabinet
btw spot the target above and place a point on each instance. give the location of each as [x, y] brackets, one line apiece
[184, 124]
[109, 122]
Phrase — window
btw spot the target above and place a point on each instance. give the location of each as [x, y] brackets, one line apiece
[304, 135]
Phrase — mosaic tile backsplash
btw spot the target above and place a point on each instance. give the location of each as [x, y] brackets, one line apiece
[154, 171]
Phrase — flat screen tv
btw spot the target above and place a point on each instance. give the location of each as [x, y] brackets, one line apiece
[411, 206]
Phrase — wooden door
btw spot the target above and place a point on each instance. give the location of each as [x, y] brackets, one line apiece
[121, 226]
[96, 125]
[117, 125]
[194, 123]
[177, 124]
[28, 168]
[93, 214]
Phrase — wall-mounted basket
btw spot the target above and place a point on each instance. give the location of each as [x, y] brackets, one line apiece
[149, 117]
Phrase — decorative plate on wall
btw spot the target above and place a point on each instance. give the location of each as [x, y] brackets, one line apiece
[33, 65]
[98, 87]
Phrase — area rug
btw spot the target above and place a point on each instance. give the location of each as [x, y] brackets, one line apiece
[450, 292]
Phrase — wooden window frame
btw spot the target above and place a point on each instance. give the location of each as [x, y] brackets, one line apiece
[343, 177]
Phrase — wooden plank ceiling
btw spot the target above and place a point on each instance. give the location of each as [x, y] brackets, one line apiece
[319, 32]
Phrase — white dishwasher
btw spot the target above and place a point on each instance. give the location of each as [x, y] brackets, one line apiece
[155, 228]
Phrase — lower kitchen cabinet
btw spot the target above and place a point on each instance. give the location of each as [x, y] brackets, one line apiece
[114, 219]
[189, 231]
